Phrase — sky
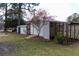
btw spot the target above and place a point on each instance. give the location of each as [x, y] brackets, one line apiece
[60, 8]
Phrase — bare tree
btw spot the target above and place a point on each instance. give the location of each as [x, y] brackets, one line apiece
[40, 19]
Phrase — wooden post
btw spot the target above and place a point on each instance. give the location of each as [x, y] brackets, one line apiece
[74, 31]
[59, 27]
[70, 30]
[63, 29]
[67, 33]
[70, 33]
[55, 28]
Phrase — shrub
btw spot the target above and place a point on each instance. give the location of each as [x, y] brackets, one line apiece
[60, 38]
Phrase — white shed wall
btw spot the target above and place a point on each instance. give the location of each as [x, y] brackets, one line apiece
[44, 31]
[23, 29]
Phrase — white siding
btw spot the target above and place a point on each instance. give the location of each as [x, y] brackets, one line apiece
[44, 31]
[23, 29]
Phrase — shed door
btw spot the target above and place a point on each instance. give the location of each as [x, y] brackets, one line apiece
[28, 29]
[18, 30]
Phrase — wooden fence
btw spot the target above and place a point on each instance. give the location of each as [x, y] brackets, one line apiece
[70, 31]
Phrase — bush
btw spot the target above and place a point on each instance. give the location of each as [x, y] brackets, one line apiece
[60, 38]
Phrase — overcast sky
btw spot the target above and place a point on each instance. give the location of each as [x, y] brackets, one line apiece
[60, 8]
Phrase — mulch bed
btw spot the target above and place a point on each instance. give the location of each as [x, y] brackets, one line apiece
[39, 38]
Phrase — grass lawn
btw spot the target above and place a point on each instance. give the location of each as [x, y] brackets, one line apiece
[26, 47]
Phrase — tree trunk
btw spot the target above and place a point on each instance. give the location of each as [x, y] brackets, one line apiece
[19, 15]
[39, 32]
[5, 26]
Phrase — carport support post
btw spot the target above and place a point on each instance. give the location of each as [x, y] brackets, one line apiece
[74, 31]
[63, 29]
[70, 32]
[59, 27]
[55, 29]
[67, 33]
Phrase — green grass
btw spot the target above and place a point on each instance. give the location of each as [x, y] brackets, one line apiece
[29, 47]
